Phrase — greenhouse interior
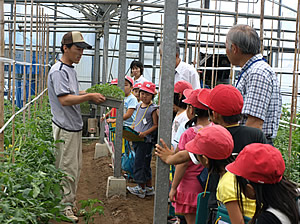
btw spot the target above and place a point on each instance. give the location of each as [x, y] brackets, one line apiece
[119, 37]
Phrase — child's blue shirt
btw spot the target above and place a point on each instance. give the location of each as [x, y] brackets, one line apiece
[130, 102]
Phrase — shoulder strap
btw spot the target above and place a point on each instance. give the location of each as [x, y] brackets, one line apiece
[281, 216]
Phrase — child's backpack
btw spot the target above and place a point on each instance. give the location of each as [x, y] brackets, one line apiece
[127, 160]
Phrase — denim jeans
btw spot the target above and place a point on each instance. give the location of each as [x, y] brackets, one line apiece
[143, 155]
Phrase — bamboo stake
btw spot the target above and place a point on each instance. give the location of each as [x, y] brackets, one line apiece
[271, 41]
[1, 75]
[40, 49]
[196, 46]
[24, 66]
[47, 52]
[161, 40]
[262, 12]
[199, 38]
[205, 62]
[235, 22]
[10, 56]
[43, 56]
[236, 11]
[161, 53]
[186, 38]
[281, 60]
[218, 55]
[297, 75]
[14, 73]
[36, 51]
[294, 91]
[31, 56]
[214, 48]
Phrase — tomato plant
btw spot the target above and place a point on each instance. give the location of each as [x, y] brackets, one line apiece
[31, 189]
[282, 141]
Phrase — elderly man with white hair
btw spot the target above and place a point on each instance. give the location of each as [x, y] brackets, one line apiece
[257, 81]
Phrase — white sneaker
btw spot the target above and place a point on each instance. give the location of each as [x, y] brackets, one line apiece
[68, 213]
[138, 191]
[150, 191]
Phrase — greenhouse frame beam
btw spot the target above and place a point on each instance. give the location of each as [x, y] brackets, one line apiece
[210, 11]
[142, 4]
[71, 1]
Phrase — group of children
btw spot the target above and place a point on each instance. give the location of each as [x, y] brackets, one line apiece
[245, 175]
[244, 172]
[140, 115]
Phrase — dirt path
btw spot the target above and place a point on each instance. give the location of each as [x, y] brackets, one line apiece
[117, 210]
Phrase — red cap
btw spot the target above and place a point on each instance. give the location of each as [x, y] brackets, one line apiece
[114, 82]
[203, 96]
[192, 98]
[129, 79]
[226, 100]
[137, 86]
[215, 142]
[181, 85]
[148, 87]
[259, 163]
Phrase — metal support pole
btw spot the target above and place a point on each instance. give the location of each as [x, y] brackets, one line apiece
[141, 44]
[104, 68]
[121, 83]
[278, 34]
[96, 75]
[190, 54]
[166, 104]
[154, 58]
[105, 48]
[2, 74]
[185, 33]
[236, 10]
[262, 13]
[141, 51]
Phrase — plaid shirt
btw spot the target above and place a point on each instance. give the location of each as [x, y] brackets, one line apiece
[261, 92]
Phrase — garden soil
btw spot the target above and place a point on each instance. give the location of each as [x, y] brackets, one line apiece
[117, 210]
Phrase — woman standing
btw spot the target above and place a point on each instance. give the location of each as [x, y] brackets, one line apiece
[137, 69]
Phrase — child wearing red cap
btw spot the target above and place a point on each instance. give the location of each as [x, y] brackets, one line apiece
[225, 104]
[259, 170]
[212, 147]
[185, 186]
[130, 103]
[179, 107]
[136, 91]
[145, 122]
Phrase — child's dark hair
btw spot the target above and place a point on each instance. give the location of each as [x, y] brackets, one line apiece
[198, 113]
[128, 82]
[146, 92]
[217, 166]
[62, 47]
[137, 64]
[232, 119]
[229, 119]
[178, 102]
[280, 196]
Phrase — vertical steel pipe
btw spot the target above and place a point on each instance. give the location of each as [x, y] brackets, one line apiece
[166, 105]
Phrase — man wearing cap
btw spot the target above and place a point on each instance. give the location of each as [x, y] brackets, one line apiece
[65, 97]
[184, 71]
[257, 81]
